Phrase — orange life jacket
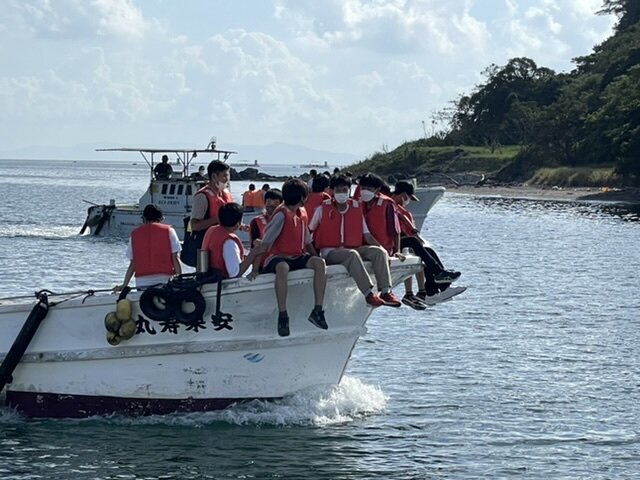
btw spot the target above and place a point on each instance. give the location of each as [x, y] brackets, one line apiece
[314, 200]
[258, 199]
[260, 222]
[214, 241]
[376, 218]
[215, 200]
[407, 224]
[291, 241]
[151, 248]
[339, 230]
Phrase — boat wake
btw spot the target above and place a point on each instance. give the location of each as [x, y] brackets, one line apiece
[343, 403]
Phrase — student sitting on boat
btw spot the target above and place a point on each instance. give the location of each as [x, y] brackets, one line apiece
[342, 236]
[318, 194]
[288, 245]
[163, 170]
[435, 278]
[272, 200]
[226, 253]
[152, 251]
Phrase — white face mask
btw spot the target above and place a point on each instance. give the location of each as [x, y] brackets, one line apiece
[367, 195]
[341, 197]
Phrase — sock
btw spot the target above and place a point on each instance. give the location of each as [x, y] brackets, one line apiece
[386, 290]
[317, 308]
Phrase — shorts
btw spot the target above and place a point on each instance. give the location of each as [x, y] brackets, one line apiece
[295, 263]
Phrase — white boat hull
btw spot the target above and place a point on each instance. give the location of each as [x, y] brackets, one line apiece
[428, 196]
[120, 221]
[69, 368]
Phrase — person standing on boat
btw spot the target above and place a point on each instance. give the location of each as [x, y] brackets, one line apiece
[163, 170]
[152, 251]
[341, 235]
[247, 197]
[258, 225]
[288, 245]
[208, 200]
[226, 252]
[435, 278]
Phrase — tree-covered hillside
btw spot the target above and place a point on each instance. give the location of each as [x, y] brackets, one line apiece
[587, 118]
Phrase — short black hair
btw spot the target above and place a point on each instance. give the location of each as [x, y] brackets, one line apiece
[370, 180]
[336, 171]
[320, 182]
[217, 166]
[151, 213]
[265, 187]
[273, 194]
[252, 187]
[165, 158]
[313, 172]
[230, 214]
[340, 181]
[294, 191]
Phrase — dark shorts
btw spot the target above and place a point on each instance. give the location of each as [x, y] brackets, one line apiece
[295, 263]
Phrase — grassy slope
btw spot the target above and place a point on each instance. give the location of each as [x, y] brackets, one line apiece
[413, 159]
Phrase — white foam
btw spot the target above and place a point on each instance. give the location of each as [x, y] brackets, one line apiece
[343, 403]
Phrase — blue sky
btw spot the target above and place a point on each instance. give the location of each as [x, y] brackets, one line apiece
[346, 75]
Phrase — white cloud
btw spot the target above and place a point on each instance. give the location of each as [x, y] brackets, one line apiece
[351, 74]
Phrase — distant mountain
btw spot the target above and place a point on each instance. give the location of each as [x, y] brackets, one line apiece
[264, 154]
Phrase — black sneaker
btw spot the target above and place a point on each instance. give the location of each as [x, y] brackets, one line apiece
[446, 276]
[317, 318]
[414, 302]
[283, 324]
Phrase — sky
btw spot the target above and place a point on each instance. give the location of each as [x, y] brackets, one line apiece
[351, 76]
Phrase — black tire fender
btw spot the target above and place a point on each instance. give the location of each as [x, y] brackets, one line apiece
[151, 302]
[184, 297]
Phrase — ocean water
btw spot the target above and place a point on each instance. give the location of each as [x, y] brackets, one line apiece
[534, 372]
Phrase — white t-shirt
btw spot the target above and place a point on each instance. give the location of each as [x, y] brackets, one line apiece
[317, 217]
[231, 256]
[150, 280]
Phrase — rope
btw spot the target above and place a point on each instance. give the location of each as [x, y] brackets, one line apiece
[74, 294]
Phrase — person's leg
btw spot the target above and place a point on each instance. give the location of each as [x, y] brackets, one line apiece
[431, 267]
[380, 262]
[319, 279]
[352, 261]
[282, 274]
[319, 283]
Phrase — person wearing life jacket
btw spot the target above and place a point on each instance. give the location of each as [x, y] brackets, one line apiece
[288, 247]
[380, 214]
[272, 200]
[435, 278]
[226, 253]
[208, 200]
[248, 198]
[318, 194]
[341, 234]
[152, 251]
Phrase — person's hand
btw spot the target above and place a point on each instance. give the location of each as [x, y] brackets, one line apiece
[258, 247]
[400, 256]
[244, 228]
[117, 288]
[252, 276]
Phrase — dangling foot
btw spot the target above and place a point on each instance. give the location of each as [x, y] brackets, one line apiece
[317, 318]
[283, 324]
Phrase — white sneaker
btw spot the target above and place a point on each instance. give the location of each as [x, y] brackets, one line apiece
[448, 294]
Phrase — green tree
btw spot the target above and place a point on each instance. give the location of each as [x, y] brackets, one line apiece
[627, 11]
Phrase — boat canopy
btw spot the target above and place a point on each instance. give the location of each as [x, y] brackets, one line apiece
[184, 156]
